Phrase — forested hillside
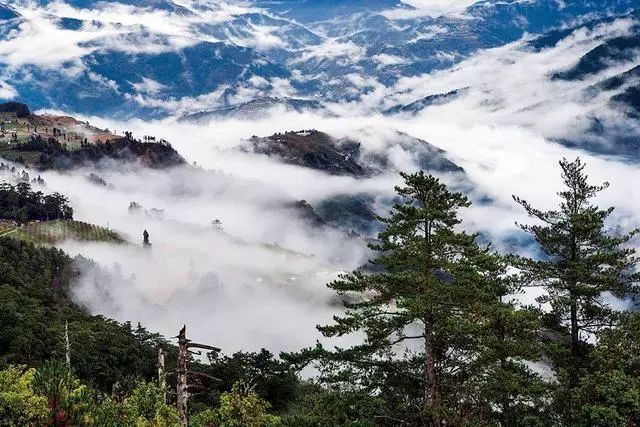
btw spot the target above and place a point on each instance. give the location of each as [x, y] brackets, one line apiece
[445, 340]
[20, 203]
[310, 213]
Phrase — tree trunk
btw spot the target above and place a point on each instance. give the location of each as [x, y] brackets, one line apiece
[181, 389]
[162, 381]
[575, 333]
[431, 400]
[67, 346]
[501, 333]
[575, 343]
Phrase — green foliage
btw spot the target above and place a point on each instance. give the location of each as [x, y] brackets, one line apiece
[55, 381]
[146, 407]
[272, 379]
[242, 407]
[206, 418]
[320, 406]
[445, 342]
[34, 305]
[19, 404]
[51, 232]
[239, 407]
[432, 315]
[609, 392]
[20, 203]
[583, 263]
[52, 395]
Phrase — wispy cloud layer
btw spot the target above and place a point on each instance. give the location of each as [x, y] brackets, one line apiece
[430, 8]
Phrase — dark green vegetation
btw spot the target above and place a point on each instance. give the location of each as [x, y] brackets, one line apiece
[52, 154]
[445, 344]
[445, 340]
[20, 110]
[21, 204]
[63, 143]
[34, 304]
[113, 363]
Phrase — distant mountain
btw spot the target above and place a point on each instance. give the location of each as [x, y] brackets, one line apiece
[117, 83]
[615, 50]
[268, 49]
[419, 105]
[10, 20]
[347, 156]
[166, 5]
[256, 108]
[315, 150]
[388, 49]
[615, 127]
[320, 10]
[350, 212]
[7, 12]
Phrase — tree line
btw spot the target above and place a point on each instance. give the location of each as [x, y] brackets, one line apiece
[22, 204]
[446, 340]
[443, 335]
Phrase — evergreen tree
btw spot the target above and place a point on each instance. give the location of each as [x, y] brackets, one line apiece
[423, 309]
[610, 393]
[503, 384]
[54, 381]
[582, 262]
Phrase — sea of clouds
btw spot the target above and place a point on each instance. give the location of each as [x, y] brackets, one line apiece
[260, 282]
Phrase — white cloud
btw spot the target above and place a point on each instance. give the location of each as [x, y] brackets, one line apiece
[500, 131]
[148, 86]
[50, 45]
[333, 49]
[385, 60]
[119, 27]
[7, 91]
[433, 8]
[193, 275]
[262, 37]
[428, 33]
[511, 85]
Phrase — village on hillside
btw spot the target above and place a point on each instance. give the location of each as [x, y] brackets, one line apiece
[19, 126]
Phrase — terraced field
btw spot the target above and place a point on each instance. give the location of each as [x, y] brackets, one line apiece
[51, 232]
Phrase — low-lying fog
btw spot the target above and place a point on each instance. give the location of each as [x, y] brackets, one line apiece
[260, 281]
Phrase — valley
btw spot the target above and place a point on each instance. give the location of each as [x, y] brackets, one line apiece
[319, 213]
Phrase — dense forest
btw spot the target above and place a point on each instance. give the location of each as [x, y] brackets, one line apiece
[21, 204]
[446, 340]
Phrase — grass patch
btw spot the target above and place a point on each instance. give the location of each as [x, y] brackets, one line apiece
[51, 232]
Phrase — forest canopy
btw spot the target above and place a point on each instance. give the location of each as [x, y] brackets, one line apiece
[20, 203]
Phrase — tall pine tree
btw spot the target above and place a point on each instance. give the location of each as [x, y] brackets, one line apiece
[424, 309]
[582, 262]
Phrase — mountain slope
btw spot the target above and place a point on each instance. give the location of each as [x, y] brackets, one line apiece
[349, 156]
[256, 108]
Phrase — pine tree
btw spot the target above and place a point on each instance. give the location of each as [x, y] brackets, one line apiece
[503, 384]
[582, 262]
[422, 308]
